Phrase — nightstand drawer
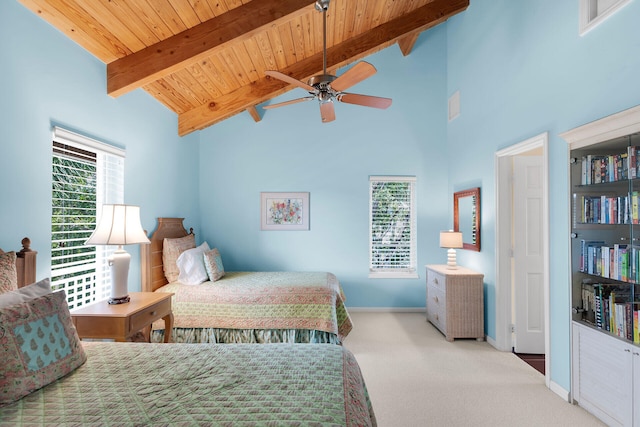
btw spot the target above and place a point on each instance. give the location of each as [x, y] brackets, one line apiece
[436, 308]
[121, 321]
[437, 280]
[147, 316]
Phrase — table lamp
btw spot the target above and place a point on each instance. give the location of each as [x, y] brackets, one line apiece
[452, 240]
[119, 225]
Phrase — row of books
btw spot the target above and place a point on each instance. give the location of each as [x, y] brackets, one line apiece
[609, 307]
[607, 210]
[597, 169]
[618, 262]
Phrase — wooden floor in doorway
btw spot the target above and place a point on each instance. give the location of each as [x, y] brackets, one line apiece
[534, 360]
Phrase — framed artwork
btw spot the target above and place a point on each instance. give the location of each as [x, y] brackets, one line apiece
[284, 211]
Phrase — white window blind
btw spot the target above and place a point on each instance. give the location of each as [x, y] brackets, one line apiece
[392, 227]
[85, 175]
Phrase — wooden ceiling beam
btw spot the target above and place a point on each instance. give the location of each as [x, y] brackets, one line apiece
[349, 51]
[203, 40]
[406, 43]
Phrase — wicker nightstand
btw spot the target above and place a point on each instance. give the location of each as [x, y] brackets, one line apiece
[455, 302]
[121, 321]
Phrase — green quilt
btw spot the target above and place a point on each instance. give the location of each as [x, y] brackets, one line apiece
[262, 300]
[136, 384]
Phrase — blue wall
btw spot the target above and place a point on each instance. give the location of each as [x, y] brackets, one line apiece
[291, 150]
[46, 80]
[522, 69]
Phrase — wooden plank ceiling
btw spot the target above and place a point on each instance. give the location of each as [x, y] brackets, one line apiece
[206, 59]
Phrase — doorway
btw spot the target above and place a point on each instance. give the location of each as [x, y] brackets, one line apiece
[522, 249]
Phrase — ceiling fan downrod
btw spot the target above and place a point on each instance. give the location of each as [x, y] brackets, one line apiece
[323, 6]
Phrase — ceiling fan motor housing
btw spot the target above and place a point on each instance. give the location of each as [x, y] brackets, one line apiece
[321, 81]
[322, 84]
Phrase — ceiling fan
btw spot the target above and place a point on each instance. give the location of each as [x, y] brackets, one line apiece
[327, 88]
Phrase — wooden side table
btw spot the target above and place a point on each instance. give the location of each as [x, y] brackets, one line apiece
[120, 321]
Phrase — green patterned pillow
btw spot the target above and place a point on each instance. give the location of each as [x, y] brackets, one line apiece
[213, 264]
[38, 345]
[8, 274]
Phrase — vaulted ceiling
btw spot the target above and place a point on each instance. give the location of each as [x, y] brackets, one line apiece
[206, 59]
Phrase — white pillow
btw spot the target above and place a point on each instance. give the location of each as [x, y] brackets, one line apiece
[26, 293]
[191, 265]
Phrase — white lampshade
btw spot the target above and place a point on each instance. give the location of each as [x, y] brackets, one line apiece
[118, 225]
[451, 239]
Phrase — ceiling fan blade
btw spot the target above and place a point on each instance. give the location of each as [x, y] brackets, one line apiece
[353, 75]
[285, 78]
[365, 100]
[327, 112]
[293, 101]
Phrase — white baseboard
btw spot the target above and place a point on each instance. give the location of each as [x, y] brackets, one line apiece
[492, 341]
[560, 391]
[386, 309]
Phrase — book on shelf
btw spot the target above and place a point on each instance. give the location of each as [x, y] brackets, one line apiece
[602, 209]
[608, 307]
[619, 262]
[636, 324]
[598, 169]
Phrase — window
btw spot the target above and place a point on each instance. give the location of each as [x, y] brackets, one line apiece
[85, 175]
[392, 227]
[593, 12]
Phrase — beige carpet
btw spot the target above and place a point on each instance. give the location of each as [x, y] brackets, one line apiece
[416, 378]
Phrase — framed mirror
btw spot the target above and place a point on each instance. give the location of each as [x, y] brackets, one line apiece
[466, 217]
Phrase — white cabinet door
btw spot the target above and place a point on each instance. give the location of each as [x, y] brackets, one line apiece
[605, 381]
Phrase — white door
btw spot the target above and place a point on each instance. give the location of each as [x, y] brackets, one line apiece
[528, 262]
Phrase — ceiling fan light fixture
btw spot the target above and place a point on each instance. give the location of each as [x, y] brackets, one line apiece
[325, 96]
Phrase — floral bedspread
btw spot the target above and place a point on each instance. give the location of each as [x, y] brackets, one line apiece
[262, 300]
[141, 384]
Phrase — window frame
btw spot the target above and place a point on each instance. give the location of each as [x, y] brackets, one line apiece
[411, 271]
[590, 17]
[87, 266]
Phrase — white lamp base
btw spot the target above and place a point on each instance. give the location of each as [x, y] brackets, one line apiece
[119, 265]
[451, 259]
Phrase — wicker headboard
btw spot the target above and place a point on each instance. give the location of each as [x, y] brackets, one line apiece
[151, 254]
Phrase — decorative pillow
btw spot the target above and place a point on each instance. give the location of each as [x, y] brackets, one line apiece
[8, 273]
[38, 345]
[26, 293]
[213, 264]
[171, 250]
[191, 265]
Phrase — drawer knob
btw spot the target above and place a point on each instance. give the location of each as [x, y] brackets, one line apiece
[153, 313]
[435, 280]
[435, 299]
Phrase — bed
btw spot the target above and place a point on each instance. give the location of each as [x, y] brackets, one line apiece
[244, 307]
[104, 383]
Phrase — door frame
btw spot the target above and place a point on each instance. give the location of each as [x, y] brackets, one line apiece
[504, 200]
